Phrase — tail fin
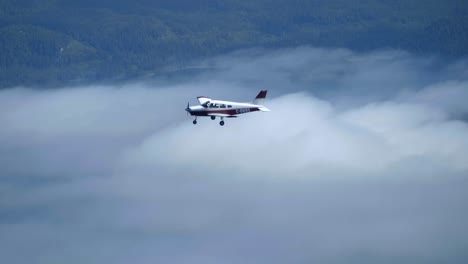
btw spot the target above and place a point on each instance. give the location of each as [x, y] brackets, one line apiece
[260, 97]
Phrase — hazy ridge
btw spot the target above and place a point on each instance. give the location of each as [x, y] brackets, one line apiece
[57, 42]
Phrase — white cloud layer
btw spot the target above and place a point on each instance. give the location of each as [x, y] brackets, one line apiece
[363, 159]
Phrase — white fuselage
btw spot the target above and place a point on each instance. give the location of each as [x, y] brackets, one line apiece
[224, 108]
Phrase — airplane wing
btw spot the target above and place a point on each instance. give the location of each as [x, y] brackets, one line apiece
[203, 99]
[221, 115]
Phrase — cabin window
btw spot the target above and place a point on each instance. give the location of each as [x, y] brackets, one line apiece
[223, 106]
[229, 106]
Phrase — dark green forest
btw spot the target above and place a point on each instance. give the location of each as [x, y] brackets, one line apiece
[56, 42]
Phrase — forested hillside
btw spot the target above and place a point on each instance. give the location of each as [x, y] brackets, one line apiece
[52, 42]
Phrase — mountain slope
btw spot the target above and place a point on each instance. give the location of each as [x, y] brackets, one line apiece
[57, 41]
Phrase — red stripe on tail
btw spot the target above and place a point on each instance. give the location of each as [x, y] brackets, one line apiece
[262, 94]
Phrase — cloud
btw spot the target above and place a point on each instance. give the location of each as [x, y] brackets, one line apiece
[362, 159]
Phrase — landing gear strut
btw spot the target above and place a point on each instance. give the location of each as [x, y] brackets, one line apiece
[221, 123]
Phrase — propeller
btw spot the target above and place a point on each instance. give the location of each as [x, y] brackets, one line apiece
[188, 108]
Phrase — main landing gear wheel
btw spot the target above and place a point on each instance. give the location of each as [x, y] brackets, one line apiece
[213, 117]
[221, 123]
[194, 122]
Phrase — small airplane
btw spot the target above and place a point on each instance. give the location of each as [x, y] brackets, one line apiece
[222, 109]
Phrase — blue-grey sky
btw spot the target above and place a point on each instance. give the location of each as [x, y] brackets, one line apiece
[363, 159]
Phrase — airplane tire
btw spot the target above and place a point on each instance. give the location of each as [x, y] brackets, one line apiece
[213, 117]
[221, 123]
[194, 122]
